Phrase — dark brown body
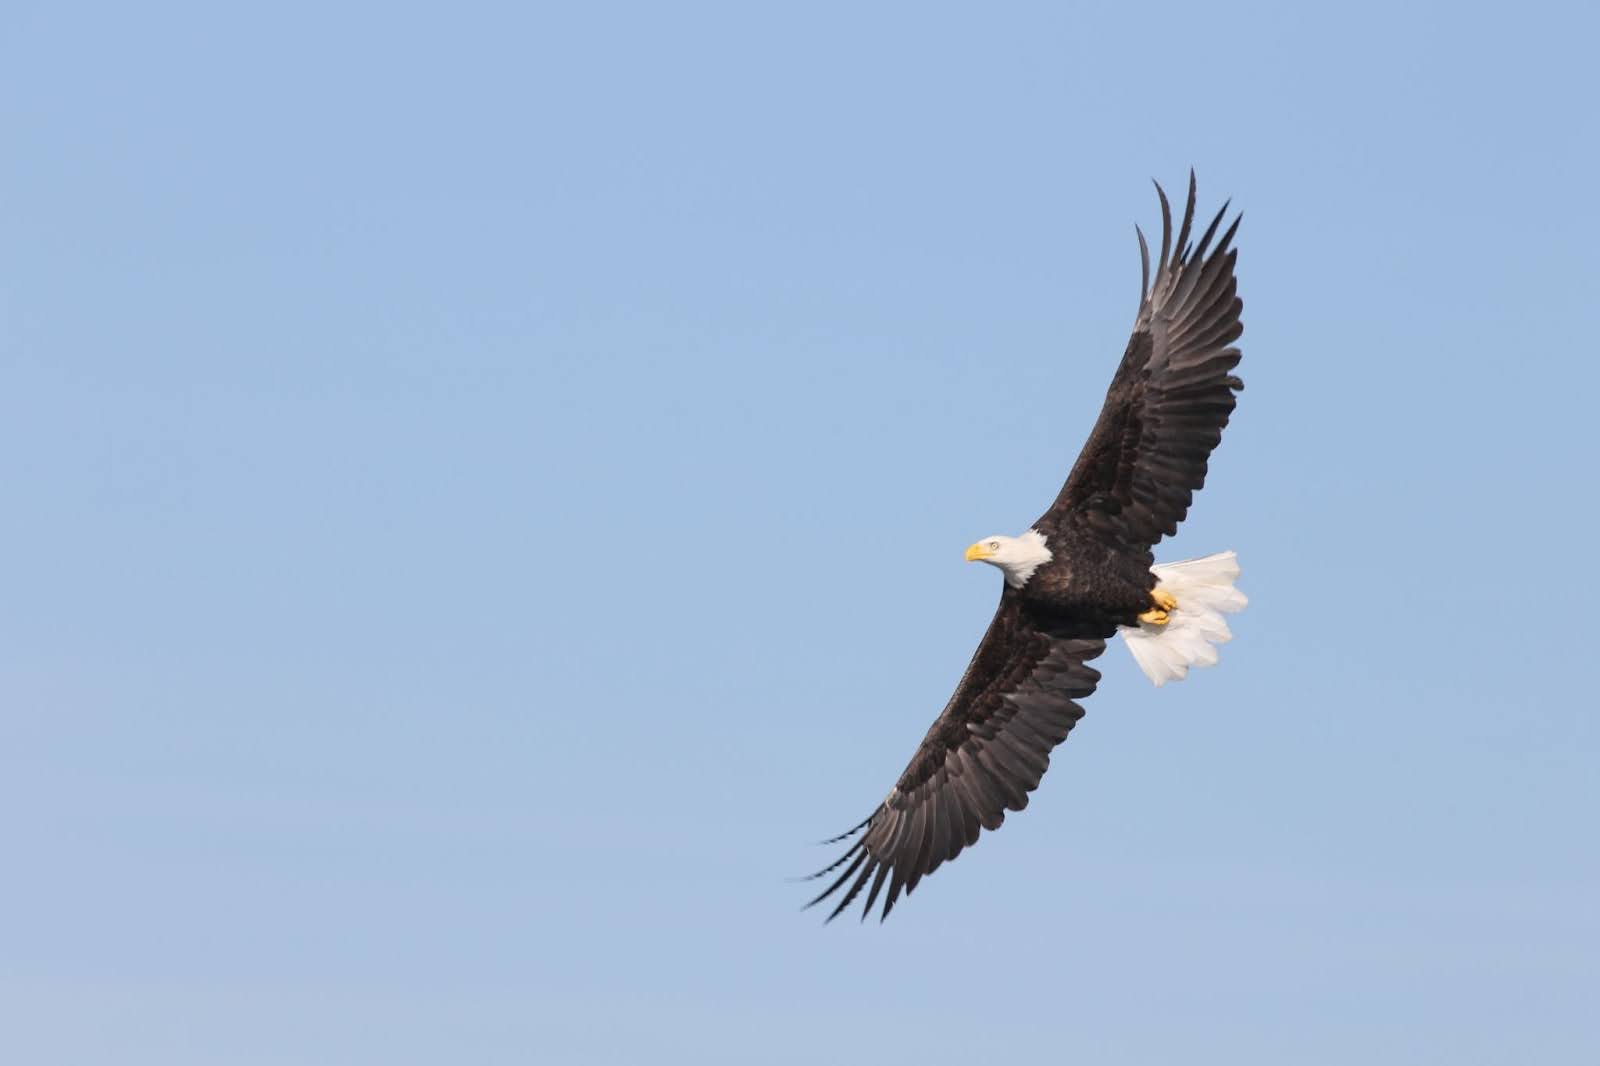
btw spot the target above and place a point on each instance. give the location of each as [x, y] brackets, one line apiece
[1087, 580]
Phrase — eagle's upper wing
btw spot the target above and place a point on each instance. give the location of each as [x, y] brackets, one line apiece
[981, 758]
[1170, 398]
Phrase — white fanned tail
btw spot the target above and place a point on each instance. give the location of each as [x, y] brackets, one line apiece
[1204, 591]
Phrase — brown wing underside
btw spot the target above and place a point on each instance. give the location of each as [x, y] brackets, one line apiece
[983, 755]
[1170, 398]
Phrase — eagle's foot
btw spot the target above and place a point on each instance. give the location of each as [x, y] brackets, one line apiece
[1165, 604]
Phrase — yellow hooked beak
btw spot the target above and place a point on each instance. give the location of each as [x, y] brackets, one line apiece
[978, 551]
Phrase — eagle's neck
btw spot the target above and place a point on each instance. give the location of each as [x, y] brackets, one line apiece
[1029, 554]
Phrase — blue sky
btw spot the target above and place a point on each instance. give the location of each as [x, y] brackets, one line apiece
[486, 487]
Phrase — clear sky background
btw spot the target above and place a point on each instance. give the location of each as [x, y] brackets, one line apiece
[485, 487]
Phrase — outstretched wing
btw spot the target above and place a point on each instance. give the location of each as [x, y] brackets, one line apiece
[1170, 398]
[981, 758]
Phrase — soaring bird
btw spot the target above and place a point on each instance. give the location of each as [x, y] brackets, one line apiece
[1081, 573]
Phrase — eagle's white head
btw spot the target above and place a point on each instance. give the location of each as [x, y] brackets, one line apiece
[1018, 557]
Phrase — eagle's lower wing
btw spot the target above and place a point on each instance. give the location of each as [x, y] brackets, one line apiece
[981, 758]
[1170, 398]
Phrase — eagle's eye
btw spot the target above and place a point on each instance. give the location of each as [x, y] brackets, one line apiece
[994, 545]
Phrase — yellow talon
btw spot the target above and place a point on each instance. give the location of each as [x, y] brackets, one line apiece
[1165, 604]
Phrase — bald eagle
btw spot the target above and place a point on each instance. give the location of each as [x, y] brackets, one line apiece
[1083, 572]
